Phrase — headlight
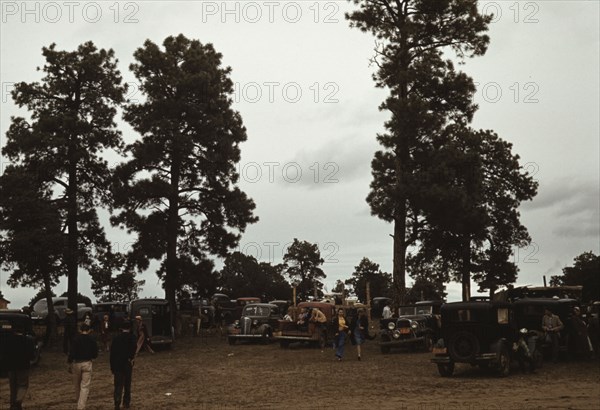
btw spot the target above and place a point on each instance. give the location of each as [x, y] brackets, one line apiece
[414, 325]
[396, 334]
[254, 322]
[391, 325]
[236, 323]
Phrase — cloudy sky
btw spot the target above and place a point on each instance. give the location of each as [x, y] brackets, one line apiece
[304, 89]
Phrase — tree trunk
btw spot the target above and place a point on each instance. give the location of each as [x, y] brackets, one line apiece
[466, 271]
[398, 273]
[172, 228]
[72, 240]
[51, 325]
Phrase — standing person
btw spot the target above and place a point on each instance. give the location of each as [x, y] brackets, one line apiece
[16, 351]
[83, 351]
[143, 338]
[342, 330]
[524, 349]
[360, 330]
[552, 326]
[122, 355]
[105, 332]
[580, 330]
[319, 320]
[69, 330]
[387, 312]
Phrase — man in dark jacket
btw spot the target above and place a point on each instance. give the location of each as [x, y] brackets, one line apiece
[15, 355]
[83, 351]
[122, 354]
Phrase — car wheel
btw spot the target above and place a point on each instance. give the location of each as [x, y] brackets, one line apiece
[503, 362]
[385, 349]
[231, 340]
[427, 343]
[538, 359]
[266, 336]
[446, 369]
[322, 341]
[284, 344]
[463, 347]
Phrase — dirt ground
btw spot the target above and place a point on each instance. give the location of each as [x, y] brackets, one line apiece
[207, 373]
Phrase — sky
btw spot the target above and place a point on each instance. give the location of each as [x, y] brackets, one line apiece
[304, 88]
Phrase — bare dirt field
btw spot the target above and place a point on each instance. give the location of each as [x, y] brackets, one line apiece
[207, 373]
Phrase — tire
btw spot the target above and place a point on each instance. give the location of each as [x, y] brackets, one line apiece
[463, 347]
[266, 336]
[284, 344]
[538, 359]
[427, 343]
[503, 362]
[446, 369]
[322, 341]
[385, 349]
[232, 340]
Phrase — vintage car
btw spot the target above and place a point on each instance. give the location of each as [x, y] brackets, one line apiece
[40, 309]
[290, 332]
[529, 312]
[258, 321]
[156, 315]
[416, 326]
[116, 311]
[16, 322]
[199, 308]
[377, 306]
[479, 333]
[230, 310]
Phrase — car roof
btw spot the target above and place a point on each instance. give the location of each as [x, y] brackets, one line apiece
[269, 305]
[545, 301]
[473, 305]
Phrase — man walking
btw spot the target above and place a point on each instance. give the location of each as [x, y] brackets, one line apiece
[81, 354]
[122, 355]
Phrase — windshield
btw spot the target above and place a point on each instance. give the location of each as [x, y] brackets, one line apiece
[424, 310]
[253, 310]
[407, 310]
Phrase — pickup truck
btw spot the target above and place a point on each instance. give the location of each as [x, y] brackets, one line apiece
[40, 309]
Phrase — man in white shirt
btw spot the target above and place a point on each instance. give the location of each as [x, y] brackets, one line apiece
[387, 312]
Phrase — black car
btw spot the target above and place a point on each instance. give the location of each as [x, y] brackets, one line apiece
[416, 326]
[16, 322]
[258, 321]
[479, 333]
[117, 313]
[529, 312]
[377, 306]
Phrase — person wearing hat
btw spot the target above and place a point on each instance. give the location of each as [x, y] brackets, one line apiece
[83, 351]
[582, 342]
[143, 338]
[122, 355]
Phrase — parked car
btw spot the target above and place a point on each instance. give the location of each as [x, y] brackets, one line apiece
[416, 326]
[283, 305]
[479, 333]
[529, 312]
[40, 309]
[199, 308]
[290, 332]
[377, 306]
[156, 315]
[117, 312]
[15, 321]
[257, 322]
[230, 310]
